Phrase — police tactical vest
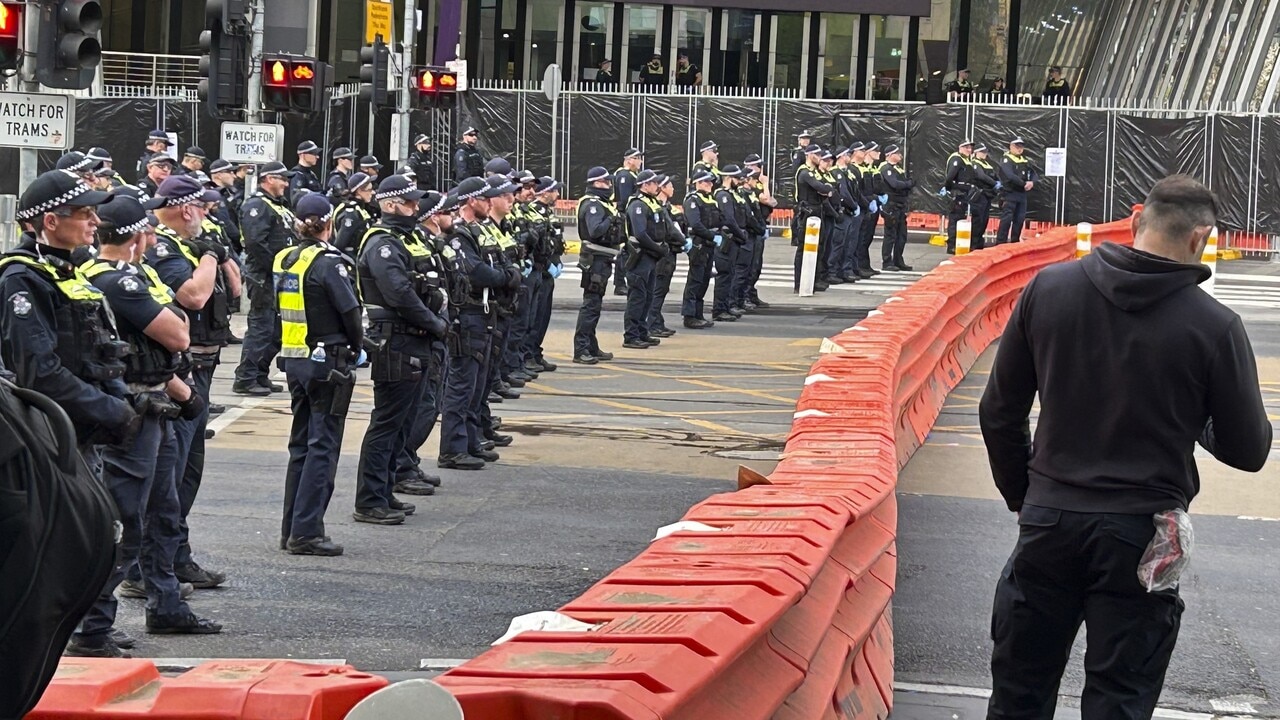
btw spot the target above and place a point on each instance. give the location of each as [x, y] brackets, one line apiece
[608, 208]
[1021, 167]
[148, 363]
[208, 324]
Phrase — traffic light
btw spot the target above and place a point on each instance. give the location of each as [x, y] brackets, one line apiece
[229, 15]
[222, 69]
[10, 34]
[293, 83]
[374, 60]
[69, 51]
[437, 87]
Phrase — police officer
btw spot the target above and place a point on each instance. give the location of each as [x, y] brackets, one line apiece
[828, 232]
[193, 161]
[798, 152]
[546, 260]
[873, 189]
[958, 185]
[600, 230]
[321, 344]
[158, 168]
[304, 173]
[463, 427]
[223, 176]
[370, 166]
[810, 192]
[856, 174]
[355, 214]
[624, 187]
[1017, 178]
[763, 201]
[467, 160]
[423, 165]
[961, 85]
[527, 228]
[103, 157]
[710, 160]
[674, 235]
[895, 211]
[157, 143]
[753, 226]
[732, 216]
[395, 287]
[842, 264]
[267, 227]
[1056, 89]
[647, 240]
[140, 475]
[985, 187]
[76, 162]
[203, 277]
[335, 185]
[702, 215]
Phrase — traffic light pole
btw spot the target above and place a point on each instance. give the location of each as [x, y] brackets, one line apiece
[253, 101]
[28, 159]
[408, 39]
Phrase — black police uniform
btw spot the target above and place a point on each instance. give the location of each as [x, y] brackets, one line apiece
[321, 340]
[895, 217]
[647, 239]
[424, 170]
[335, 185]
[763, 212]
[59, 341]
[1056, 90]
[1014, 172]
[226, 218]
[392, 269]
[959, 185]
[873, 189]
[747, 214]
[673, 234]
[984, 191]
[501, 251]
[624, 187]
[732, 215]
[547, 261]
[463, 426]
[175, 261]
[350, 222]
[703, 217]
[960, 87]
[304, 178]
[702, 166]
[526, 229]
[810, 191]
[266, 225]
[600, 229]
[140, 475]
[467, 162]
[844, 263]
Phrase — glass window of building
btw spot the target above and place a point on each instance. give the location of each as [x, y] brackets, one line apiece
[789, 50]
[988, 41]
[691, 37]
[488, 39]
[593, 28]
[840, 33]
[886, 55]
[640, 44]
[508, 43]
[741, 51]
[545, 21]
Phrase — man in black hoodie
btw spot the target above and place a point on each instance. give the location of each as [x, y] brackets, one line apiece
[1134, 364]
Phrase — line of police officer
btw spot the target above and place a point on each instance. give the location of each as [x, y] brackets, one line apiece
[973, 183]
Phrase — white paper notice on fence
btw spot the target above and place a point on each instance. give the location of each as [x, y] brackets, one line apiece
[1055, 162]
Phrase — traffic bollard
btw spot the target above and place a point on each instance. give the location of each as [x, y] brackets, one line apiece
[964, 231]
[1084, 240]
[809, 261]
[1210, 258]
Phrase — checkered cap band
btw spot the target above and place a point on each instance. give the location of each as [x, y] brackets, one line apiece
[48, 205]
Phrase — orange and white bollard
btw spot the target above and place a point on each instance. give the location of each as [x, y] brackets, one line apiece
[964, 235]
[1084, 240]
[809, 261]
[1210, 258]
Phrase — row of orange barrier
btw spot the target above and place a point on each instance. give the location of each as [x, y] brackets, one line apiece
[784, 612]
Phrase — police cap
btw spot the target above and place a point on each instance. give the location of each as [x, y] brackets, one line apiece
[702, 177]
[55, 189]
[421, 139]
[184, 190]
[160, 159]
[967, 142]
[470, 189]
[633, 153]
[275, 168]
[398, 186]
[709, 146]
[75, 162]
[343, 153]
[157, 136]
[313, 205]
[196, 152]
[546, 183]
[646, 176]
[370, 161]
[221, 165]
[597, 174]
[731, 171]
[125, 215]
[306, 147]
[498, 185]
[498, 166]
[753, 160]
[99, 153]
[812, 149]
[357, 181]
[892, 150]
[1016, 141]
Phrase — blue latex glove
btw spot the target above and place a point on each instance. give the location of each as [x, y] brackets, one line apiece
[362, 358]
[718, 240]
[943, 192]
[527, 271]
[999, 185]
[884, 199]
[873, 206]
[688, 244]
[555, 270]
[857, 211]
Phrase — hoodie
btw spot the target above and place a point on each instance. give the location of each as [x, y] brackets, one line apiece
[1134, 364]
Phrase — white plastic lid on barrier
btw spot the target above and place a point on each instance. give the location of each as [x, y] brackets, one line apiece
[408, 700]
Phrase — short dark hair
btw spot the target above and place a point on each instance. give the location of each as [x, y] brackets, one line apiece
[1176, 206]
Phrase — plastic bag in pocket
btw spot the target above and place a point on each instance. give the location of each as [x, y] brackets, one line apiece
[1168, 552]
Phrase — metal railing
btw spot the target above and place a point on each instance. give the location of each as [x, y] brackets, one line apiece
[154, 73]
[616, 89]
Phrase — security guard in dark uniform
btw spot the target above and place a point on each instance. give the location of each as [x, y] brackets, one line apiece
[423, 165]
[646, 237]
[335, 185]
[140, 475]
[985, 187]
[601, 230]
[702, 215]
[810, 192]
[733, 213]
[674, 234]
[546, 260]
[56, 335]
[267, 226]
[1017, 178]
[958, 185]
[463, 427]
[304, 173]
[198, 269]
[397, 292]
[467, 160]
[1056, 89]
[624, 187]
[895, 211]
[961, 85]
[355, 214]
[322, 342]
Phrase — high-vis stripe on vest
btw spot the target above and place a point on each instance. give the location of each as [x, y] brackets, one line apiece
[155, 286]
[293, 305]
[77, 288]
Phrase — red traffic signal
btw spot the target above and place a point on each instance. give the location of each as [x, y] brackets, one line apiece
[293, 83]
[436, 87]
[10, 33]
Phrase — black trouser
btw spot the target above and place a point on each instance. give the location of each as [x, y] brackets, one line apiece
[662, 286]
[824, 247]
[1013, 215]
[189, 465]
[959, 210]
[867, 236]
[466, 387]
[518, 329]
[742, 271]
[620, 269]
[981, 209]
[315, 444]
[725, 258]
[595, 280]
[542, 303]
[262, 338]
[395, 406]
[640, 282]
[757, 266]
[698, 280]
[1069, 568]
[428, 412]
[895, 234]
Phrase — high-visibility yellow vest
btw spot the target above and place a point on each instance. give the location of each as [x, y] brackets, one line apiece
[155, 286]
[289, 283]
[77, 288]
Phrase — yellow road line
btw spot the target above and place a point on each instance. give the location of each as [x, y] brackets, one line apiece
[714, 386]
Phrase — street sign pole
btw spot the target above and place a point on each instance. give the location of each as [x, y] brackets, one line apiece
[551, 82]
[407, 39]
[28, 158]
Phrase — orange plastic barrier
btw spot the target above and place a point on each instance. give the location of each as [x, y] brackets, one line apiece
[785, 611]
[226, 689]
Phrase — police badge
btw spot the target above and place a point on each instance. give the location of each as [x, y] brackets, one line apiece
[21, 304]
[384, 251]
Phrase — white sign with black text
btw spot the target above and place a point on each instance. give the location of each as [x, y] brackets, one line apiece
[251, 143]
[1055, 162]
[37, 121]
